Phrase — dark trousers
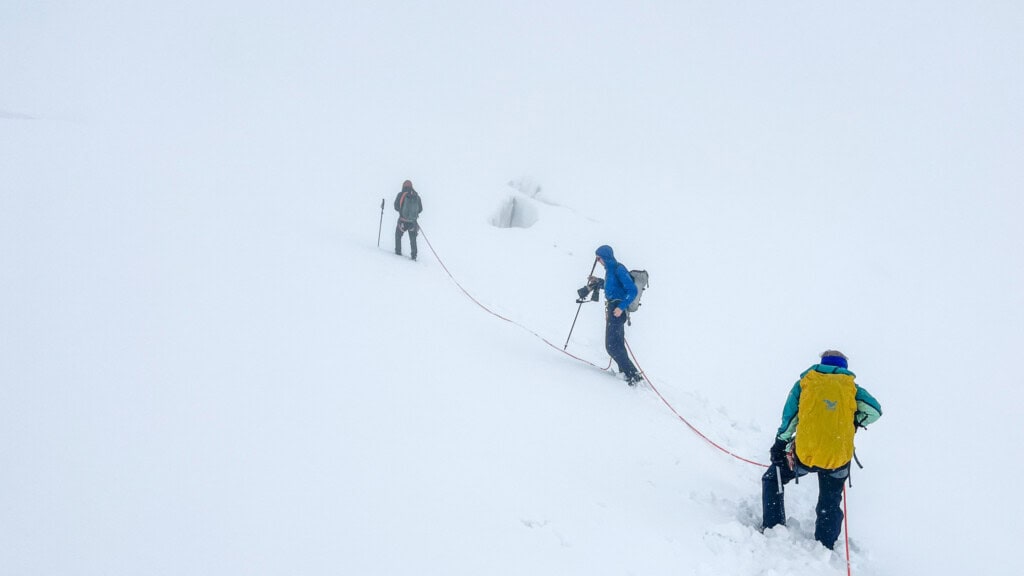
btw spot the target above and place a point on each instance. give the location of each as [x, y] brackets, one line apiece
[399, 230]
[830, 497]
[615, 342]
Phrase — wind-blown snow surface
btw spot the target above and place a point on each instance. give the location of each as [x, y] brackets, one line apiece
[207, 366]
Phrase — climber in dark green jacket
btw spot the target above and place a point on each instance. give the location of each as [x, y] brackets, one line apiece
[408, 205]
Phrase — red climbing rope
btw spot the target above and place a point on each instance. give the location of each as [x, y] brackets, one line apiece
[684, 420]
[496, 315]
[668, 404]
[545, 340]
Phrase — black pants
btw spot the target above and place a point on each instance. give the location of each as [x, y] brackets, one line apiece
[830, 497]
[615, 341]
[399, 230]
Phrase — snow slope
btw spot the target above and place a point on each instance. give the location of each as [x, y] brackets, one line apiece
[208, 366]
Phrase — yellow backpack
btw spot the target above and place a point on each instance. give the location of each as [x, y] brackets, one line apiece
[824, 429]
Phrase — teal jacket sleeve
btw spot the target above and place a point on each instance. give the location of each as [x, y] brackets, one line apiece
[789, 415]
[868, 409]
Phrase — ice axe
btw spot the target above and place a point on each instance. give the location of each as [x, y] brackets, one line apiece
[592, 268]
[380, 225]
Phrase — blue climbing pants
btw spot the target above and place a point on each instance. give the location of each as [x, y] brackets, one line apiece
[615, 341]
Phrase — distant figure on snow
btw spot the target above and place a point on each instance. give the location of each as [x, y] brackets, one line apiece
[619, 293]
[824, 409]
[408, 205]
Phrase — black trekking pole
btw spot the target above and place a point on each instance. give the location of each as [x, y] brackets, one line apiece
[381, 225]
[592, 268]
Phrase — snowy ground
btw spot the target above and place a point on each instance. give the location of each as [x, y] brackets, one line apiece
[208, 366]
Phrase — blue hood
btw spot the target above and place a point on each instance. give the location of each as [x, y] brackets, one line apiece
[606, 253]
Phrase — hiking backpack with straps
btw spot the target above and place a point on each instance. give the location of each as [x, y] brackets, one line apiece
[641, 279]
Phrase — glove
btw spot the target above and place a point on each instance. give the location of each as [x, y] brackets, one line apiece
[777, 453]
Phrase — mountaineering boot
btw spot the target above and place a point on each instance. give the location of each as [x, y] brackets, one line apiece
[634, 378]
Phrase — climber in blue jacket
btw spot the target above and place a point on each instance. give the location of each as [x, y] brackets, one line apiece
[619, 293]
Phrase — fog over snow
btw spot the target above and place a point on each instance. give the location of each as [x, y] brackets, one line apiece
[209, 366]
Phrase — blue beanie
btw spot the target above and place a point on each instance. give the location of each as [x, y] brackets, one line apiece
[834, 358]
